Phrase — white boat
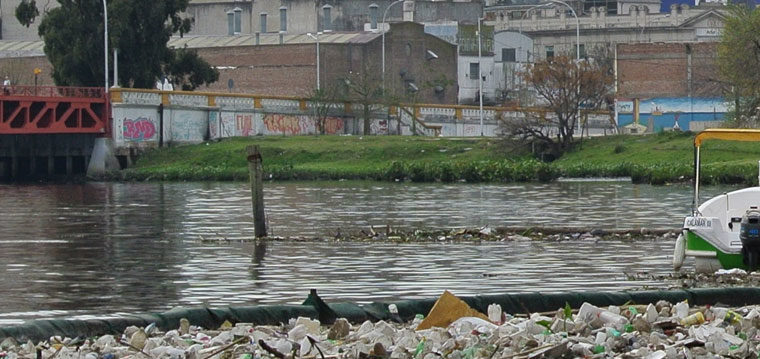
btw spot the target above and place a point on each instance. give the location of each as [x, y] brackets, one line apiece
[724, 231]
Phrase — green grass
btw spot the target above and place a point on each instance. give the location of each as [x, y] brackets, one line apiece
[662, 158]
[658, 159]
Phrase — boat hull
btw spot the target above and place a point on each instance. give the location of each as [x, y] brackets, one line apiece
[708, 257]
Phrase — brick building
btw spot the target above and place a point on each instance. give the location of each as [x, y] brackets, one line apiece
[268, 67]
[417, 64]
[660, 85]
[668, 70]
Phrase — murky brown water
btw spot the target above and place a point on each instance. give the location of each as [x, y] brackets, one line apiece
[106, 248]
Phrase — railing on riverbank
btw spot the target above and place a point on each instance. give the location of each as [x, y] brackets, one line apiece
[150, 118]
[53, 91]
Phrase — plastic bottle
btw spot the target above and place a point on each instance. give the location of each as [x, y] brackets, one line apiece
[613, 319]
[494, 313]
[681, 309]
[588, 312]
[732, 317]
[696, 318]
[138, 339]
[651, 313]
[420, 348]
[719, 312]
[184, 326]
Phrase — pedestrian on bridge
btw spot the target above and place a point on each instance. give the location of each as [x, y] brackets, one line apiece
[6, 85]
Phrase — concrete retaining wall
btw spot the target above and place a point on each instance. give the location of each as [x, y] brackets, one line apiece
[147, 118]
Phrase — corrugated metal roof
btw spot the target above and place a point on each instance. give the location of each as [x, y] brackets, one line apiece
[21, 49]
[203, 41]
[10, 49]
[193, 2]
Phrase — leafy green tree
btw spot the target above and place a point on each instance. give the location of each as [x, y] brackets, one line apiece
[140, 29]
[26, 12]
[738, 57]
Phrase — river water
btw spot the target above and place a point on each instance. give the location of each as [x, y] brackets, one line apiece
[84, 250]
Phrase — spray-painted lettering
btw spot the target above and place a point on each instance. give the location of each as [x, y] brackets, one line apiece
[244, 124]
[282, 124]
[299, 125]
[140, 129]
[334, 125]
[379, 127]
[213, 124]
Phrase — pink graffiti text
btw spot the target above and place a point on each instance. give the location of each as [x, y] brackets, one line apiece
[140, 129]
[244, 124]
[282, 124]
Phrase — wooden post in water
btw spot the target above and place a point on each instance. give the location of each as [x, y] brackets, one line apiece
[257, 190]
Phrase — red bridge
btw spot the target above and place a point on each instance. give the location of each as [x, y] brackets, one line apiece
[52, 110]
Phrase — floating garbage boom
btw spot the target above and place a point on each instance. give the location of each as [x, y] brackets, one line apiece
[314, 307]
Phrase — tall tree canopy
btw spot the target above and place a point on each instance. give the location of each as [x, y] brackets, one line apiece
[738, 61]
[140, 29]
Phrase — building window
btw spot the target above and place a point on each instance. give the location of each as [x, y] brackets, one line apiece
[283, 19]
[230, 22]
[508, 55]
[549, 52]
[327, 18]
[474, 70]
[238, 20]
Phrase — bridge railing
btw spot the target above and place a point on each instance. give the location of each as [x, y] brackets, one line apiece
[53, 91]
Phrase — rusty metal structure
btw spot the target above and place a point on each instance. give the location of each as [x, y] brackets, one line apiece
[53, 110]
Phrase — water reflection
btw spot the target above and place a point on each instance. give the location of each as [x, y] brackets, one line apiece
[90, 249]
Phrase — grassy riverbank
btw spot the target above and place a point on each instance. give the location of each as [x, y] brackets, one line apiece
[659, 158]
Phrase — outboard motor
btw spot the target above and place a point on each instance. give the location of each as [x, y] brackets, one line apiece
[749, 233]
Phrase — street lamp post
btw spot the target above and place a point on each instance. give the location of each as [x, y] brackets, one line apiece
[383, 50]
[577, 55]
[577, 24]
[316, 38]
[105, 41]
[577, 43]
[480, 77]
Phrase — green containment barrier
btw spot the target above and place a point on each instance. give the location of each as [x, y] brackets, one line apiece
[314, 307]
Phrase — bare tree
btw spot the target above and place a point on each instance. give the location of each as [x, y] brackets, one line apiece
[563, 87]
[365, 89]
[324, 101]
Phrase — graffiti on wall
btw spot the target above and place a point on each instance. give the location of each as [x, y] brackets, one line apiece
[471, 130]
[285, 124]
[243, 124]
[299, 125]
[138, 130]
[187, 126]
[334, 125]
[213, 124]
[666, 112]
[227, 124]
[379, 127]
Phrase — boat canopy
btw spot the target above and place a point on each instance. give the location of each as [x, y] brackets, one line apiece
[730, 134]
[727, 134]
